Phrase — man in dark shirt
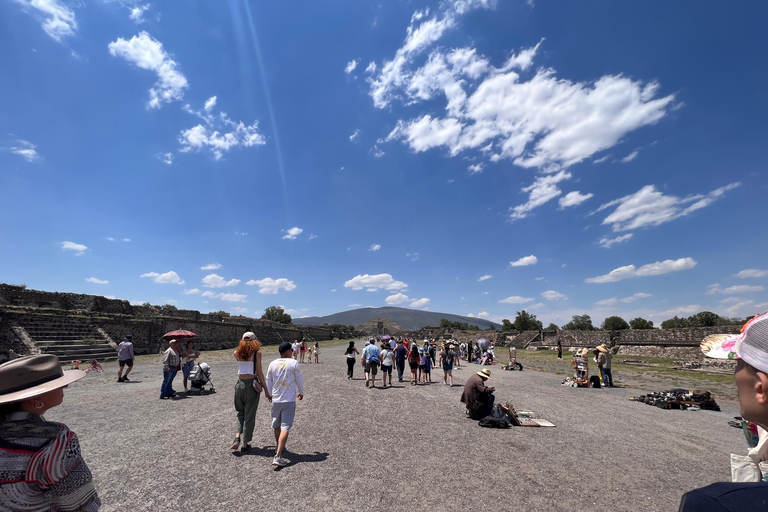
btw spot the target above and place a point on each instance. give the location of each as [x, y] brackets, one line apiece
[750, 349]
[400, 354]
[477, 396]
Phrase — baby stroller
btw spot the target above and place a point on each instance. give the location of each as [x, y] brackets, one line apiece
[199, 377]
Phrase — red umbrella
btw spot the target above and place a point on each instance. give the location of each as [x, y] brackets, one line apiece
[178, 334]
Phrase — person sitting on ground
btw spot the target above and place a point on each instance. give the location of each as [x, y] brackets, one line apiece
[41, 467]
[95, 367]
[124, 358]
[477, 397]
[285, 383]
[750, 349]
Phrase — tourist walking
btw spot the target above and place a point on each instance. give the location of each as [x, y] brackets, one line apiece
[433, 351]
[303, 349]
[189, 354]
[296, 348]
[604, 363]
[350, 353]
[316, 351]
[423, 356]
[559, 349]
[285, 383]
[387, 360]
[371, 355]
[456, 355]
[125, 358]
[446, 359]
[41, 467]
[477, 396]
[413, 362]
[401, 353]
[171, 365]
[247, 395]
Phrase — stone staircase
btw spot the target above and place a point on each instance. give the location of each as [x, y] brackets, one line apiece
[69, 338]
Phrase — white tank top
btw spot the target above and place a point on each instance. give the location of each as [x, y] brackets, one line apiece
[245, 367]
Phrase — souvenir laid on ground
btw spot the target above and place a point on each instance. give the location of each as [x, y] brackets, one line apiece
[522, 418]
[680, 399]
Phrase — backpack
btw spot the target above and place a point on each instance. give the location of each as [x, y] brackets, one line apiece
[448, 357]
[594, 382]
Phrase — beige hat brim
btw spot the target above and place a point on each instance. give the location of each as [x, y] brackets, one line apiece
[69, 377]
[602, 348]
[484, 375]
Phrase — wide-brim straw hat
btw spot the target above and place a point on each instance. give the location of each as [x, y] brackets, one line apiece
[582, 352]
[30, 376]
[602, 348]
[485, 373]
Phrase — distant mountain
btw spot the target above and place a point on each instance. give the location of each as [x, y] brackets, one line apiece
[408, 319]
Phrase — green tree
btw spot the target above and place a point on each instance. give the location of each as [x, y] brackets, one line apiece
[640, 323]
[525, 321]
[506, 325]
[615, 323]
[551, 327]
[579, 323]
[675, 323]
[704, 319]
[276, 314]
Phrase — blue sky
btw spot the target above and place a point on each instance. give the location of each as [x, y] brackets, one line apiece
[476, 157]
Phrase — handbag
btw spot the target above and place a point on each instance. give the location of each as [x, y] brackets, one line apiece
[256, 384]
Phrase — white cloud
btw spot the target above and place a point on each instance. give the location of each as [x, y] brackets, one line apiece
[233, 134]
[538, 278]
[58, 19]
[95, 280]
[553, 295]
[211, 266]
[649, 207]
[651, 269]
[376, 282]
[608, 242]
[269, 286]
[374, 247]
[482, 314]
[209, 104]
[397, 298]
[413, 255]
[542, 190]
[574, 198]
[193, 291]
[630, 157]
[216, 281]
[355, 135]
[475, 168]
[109, 238]
[292, 233]
[137, 13]
[626, 300]
[26, 150]
[752, 272]
[683, 310]
[524, 261]
[418, 303]
[601, 160]
[333, 290]
[169, 277]
[126, 239]
[228, 297]
[733, 290]
[516, 299]
[371, 67]
[351, 65]
[607, 302]
[72, 246]
[148, 53]
[485, 277]
[378, 153]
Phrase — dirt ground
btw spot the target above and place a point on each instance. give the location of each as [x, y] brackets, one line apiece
[403, 448]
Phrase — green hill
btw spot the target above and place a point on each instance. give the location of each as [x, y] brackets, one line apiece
[408, 319]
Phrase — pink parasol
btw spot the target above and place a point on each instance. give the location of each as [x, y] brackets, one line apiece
[178, 335]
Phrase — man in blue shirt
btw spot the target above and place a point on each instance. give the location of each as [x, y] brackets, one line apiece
[400, 354]
[371, 356]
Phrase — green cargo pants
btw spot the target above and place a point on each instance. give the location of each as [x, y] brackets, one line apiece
[246, 404]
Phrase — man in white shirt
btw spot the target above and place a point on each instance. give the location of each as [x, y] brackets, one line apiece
[285, 383]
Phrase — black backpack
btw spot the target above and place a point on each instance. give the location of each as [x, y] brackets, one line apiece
[448, 357]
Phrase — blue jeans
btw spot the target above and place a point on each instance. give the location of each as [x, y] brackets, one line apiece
[607, 377]
[167, 389]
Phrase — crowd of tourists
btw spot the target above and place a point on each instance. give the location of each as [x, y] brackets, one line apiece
[41, 466]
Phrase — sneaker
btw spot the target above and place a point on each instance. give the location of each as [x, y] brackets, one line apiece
[367, 383]
[119, 379]
[125, 379]
[279, 461]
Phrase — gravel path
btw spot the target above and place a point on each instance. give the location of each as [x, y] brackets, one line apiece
[396, 449]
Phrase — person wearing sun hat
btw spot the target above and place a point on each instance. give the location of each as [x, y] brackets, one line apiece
[41, 467]
[750, 350]
[477, 396]
[604, 363]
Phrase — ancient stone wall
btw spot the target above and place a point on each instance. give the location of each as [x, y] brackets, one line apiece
[21, 296]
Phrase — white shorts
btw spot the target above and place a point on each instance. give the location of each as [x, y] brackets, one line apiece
[283, 414]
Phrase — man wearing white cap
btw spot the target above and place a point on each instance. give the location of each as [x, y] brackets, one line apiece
[750, 349]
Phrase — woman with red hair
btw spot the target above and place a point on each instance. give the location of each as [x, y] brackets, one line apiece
[248, 358]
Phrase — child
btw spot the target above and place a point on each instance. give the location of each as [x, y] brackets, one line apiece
[286, 384]
[316, 351]
[95, 366]
[427, 366]
[422, 358]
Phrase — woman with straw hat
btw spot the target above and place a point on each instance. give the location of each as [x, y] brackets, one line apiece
[42, 468]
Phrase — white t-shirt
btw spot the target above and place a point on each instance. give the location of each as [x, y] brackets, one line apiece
[386, 357]
[284, 380]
